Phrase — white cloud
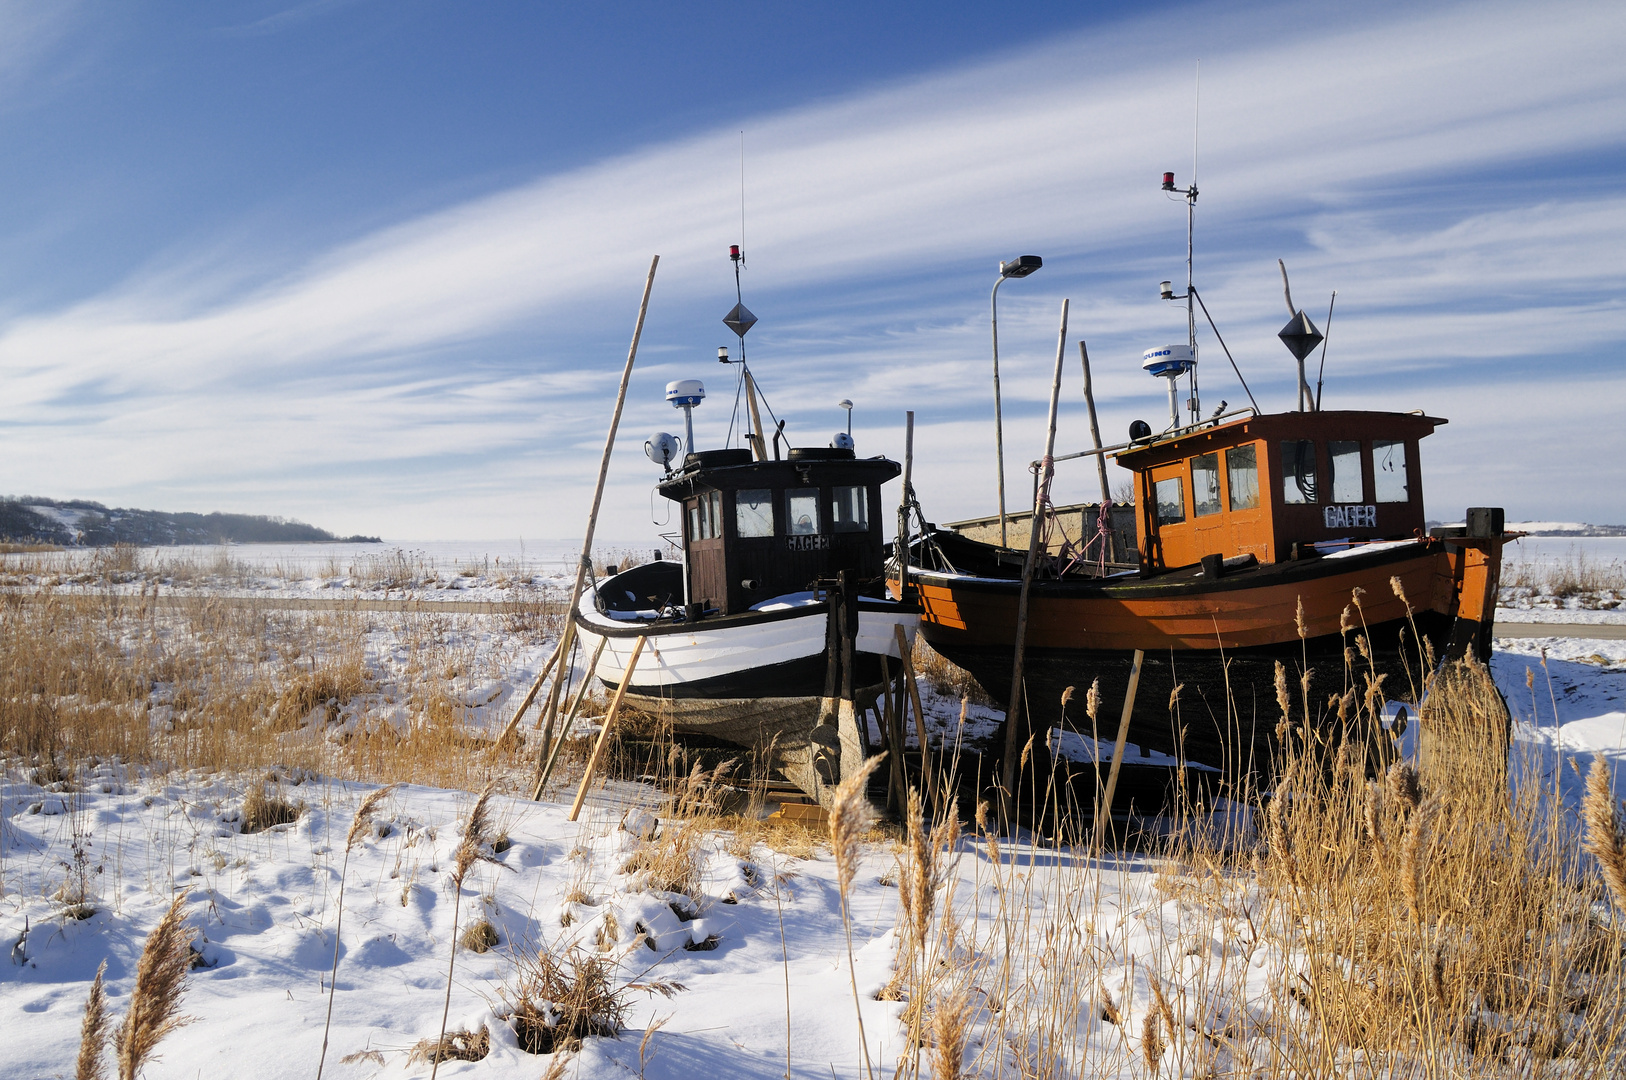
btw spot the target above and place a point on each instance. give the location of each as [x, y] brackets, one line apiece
[403, 363]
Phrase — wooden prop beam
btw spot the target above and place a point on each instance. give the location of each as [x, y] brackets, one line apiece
[1104, 811]
[609, 722]
[570, 718]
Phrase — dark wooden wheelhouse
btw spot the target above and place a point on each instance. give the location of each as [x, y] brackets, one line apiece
[755, 530]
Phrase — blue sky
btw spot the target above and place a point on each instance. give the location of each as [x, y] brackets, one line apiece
[375, 265]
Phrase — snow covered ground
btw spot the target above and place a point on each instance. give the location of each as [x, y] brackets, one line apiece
[88, 866]
[762, 939]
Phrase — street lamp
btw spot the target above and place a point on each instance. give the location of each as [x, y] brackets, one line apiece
[1019, 267]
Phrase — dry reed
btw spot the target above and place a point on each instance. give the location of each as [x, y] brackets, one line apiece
[93, 1031]
[155, 1002]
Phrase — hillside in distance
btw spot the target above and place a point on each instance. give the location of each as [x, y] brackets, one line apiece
[81, 523]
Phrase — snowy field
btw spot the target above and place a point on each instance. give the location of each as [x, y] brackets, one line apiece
[745, 971]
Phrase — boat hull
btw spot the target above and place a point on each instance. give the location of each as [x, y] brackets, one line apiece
[1218, 640]
[747, 679]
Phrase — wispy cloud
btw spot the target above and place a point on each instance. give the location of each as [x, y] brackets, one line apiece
[1403, 158]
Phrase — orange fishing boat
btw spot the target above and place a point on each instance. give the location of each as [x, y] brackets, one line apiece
[1294, 537]
[1246, 557]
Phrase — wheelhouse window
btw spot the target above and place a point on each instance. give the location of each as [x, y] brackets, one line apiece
[1389, 470]
[753, 512]
[1171, 501]
[706, 516]
[850, 509]
[1205, 491]
[1346, 471]
[1298, 471]
[803, 516]
[1242, 475]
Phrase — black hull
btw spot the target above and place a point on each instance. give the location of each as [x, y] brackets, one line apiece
[1241, 740]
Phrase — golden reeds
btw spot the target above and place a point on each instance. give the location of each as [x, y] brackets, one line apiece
[358, 826]
[851, 816]
[93, 1031]
[1603, 839]
[478, 832]
[155, 1002]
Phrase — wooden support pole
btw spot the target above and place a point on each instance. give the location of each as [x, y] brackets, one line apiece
[552, 749]
[530, 695]
[898, 789]
[1015, 725]
[550, 708]
[903, 503]
[1095, 427]
[1104, 811]
[586, 562]
[609, 722]
[756, 417]
[927, 775]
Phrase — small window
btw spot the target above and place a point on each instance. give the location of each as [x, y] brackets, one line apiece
[753, 512]
[1242, 472]
[1205, 497]
[1298, 471]
[716, 500]
[1346, 471]
[804, 513]
[1389, 470]
[1171, 501]
[850, 509]
[694, 521]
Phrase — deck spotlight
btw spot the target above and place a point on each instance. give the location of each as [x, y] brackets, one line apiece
[1021, 266]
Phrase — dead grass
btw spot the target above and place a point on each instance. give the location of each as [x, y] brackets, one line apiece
[1577, 575]
[944, 677]
[453, 1046]
[200, 684]
[557, 1000]
[263, 810]
[479, 937]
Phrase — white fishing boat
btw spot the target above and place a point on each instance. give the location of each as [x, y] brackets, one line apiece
[772, 629]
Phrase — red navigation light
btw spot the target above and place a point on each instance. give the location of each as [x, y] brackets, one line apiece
[734, 251]
[1168, 181]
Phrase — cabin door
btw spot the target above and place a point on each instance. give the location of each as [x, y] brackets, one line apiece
[708, 577]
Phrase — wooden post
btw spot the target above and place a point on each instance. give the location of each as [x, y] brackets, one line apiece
[1105, 809]
[898, 790]
[756, 417]
[530, 695]
[928, 776]
[550, 708]
[552, 748]
[609, 721]
[1110, 541]
[586, 562]
[1015, 727]
[903, 503]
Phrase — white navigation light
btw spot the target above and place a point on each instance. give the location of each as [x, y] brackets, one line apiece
[685, 393]
[662, 447]
[1168, 360]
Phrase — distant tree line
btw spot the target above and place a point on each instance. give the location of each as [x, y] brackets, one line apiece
[81, 523]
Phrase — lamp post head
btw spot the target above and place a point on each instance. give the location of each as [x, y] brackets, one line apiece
[1020, 267]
